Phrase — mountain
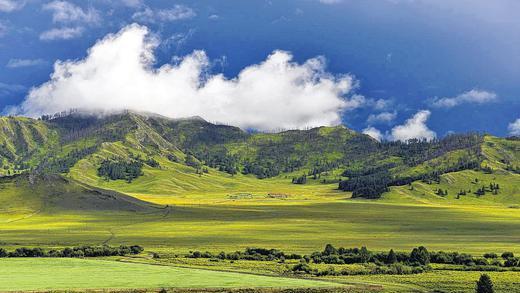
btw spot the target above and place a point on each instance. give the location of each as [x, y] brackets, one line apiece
[142, 152]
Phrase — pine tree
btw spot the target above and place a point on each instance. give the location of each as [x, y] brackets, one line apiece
[392, 258]
[484, 285]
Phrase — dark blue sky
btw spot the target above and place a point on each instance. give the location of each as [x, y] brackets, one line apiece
[405, 52]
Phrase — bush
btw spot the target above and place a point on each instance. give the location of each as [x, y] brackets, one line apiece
[490, 255]
[512, 262]
[484, 285]
[302, 268]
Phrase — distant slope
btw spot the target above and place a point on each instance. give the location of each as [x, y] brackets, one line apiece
[501, 156]
[48, 193]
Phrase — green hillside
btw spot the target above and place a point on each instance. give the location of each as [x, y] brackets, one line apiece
[175, 186]
[149, 154]
[24, 143]
[52, 193]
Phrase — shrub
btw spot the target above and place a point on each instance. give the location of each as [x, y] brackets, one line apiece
[484, 285]
[302, 268]
[490, 255]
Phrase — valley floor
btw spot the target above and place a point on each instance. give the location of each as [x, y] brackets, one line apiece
[298, 226]
[295, 219]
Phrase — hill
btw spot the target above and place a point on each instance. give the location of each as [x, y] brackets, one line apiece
[159, 155]
[53, 193]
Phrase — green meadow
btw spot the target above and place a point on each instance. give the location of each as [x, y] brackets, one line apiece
[229, 221]
[69, 274]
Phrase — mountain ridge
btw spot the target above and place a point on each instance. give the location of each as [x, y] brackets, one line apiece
[337, 155]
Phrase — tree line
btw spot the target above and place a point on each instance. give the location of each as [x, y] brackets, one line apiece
[77, 251]
[417, 257]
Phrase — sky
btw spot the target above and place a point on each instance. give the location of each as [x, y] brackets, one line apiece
[393, 69]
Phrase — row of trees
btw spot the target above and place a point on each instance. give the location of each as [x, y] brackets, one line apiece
[417, 257]
[78, 251]
[259, 254]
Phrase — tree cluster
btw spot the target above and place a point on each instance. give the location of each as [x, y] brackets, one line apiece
[300, 180]
[259, 254]
[63, 164]
[78, 251]
[120, 169]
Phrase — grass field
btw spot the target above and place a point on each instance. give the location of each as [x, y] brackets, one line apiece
[299, 226]
[439, 278]
[220, 212]
[52, 274]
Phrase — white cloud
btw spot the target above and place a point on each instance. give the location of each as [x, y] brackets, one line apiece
[118, 74]
[11, 5]
[514, 127]
[17, 63]
[178, 12]
[374, 133]
[384, 117]
[473, 96]
[414, 127]
[382, 104]
[356, 101]
[65, 33]
[66, 12]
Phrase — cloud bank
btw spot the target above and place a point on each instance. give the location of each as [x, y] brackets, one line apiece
[473, 96]
[514, 127]
[413, 128]
[118, 73]
[383, 117]
[72, 17]
[66, 12]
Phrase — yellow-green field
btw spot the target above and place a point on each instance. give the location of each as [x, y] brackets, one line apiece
[18, 274]
[439, 278]
[302, 220]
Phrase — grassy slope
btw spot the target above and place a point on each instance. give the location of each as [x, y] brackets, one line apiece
[494, 150]
[24, 140]
[34, 274]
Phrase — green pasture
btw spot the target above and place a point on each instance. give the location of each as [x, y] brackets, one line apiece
[292, 227]
[54, 274]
